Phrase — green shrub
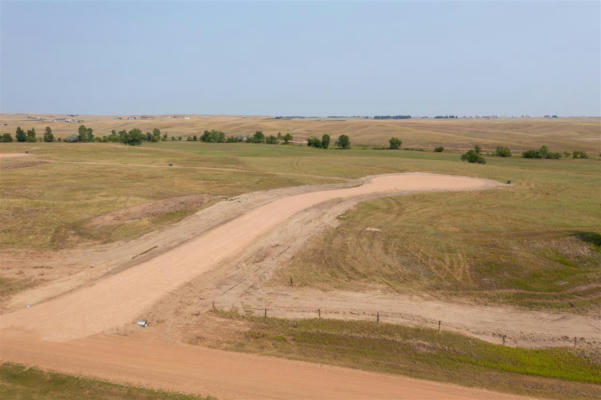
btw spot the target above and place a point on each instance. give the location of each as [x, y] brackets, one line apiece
[543, 152]
[271, 139]
[325, 141]
[48, 136]
[31, 135]
[502, 151]
[213, 136]
[72, 138]
[6, 137]
[258, 137]
[20, 134]
[439, 149]
[473, 156]
[344, 142]
[287, 137]
[395, 143]
[579, 154]
[313, 142]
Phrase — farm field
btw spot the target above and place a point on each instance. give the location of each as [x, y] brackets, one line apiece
[77, 215]
[570, 133]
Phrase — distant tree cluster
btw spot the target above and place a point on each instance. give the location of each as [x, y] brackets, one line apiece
[322, 143]
[543, 153]
[438, 149]
[392, 116]
[445, 116]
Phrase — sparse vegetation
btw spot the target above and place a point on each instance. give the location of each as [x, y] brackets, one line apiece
[543, 153]
[18, 382]
[438, 149]
[502, 151]
[579, 154]
[6, 138]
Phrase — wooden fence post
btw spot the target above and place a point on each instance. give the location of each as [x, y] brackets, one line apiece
[319, 312]
[439, 326]
[378, 317]
[265, 315]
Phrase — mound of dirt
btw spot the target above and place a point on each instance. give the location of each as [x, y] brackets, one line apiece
[152, 209]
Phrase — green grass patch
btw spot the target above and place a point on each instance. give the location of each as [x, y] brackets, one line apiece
[20, 383]
[425, 353]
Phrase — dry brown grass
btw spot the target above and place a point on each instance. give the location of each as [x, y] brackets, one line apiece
[562, 134]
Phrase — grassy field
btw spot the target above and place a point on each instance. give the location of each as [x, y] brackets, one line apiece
[532, 244]
[20, 383]
[519, 133]
[559, 373]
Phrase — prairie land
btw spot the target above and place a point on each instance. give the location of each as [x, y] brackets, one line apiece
[531, 246]
[560, 134]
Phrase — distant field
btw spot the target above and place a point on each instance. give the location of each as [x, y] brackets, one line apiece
[562, 134]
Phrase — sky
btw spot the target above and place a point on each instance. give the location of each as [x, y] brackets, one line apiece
[301, 58]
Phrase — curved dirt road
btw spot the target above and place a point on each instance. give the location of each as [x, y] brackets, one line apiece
[118, 299]
[62, 333]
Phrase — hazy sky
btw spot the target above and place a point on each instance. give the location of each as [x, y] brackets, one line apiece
[285, 58]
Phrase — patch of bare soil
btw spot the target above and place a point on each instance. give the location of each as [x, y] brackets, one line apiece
[13, 155]
[152, 209]
[14, 163]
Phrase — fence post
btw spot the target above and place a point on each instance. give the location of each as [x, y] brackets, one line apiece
[438, 326]
[319, 312]
[378, 317]
[504, 336]
[213, 305]
[291, 282]
[265, 315]
[575, 341]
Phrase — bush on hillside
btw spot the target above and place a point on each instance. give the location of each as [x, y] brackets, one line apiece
[72, 138]
[271, 139]
[6, 137]
[473, 156]
[395, 143]
[502, 151]
[344, 142]
[579, 154]
[313, 142]
[325, 141]
[542, 153]
[439, 149]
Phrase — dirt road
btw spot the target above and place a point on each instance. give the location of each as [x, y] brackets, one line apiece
[225, 375]
[118, 299]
